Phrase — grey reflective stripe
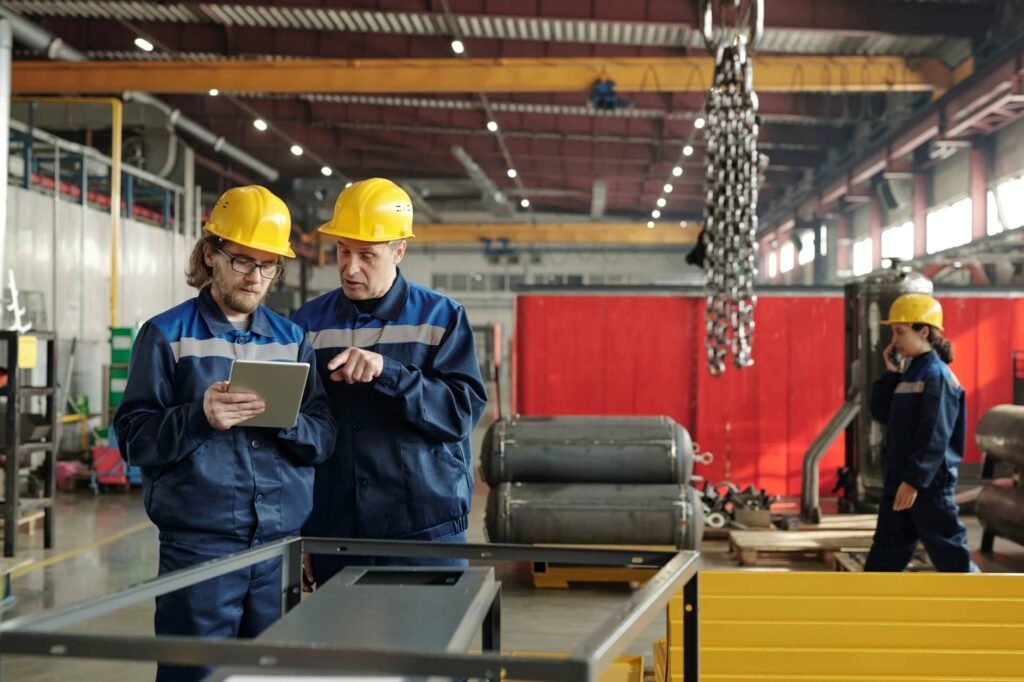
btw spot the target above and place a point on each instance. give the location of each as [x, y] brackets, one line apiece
[428, 334]
[910, 387]
[222, 348]
[954, 381]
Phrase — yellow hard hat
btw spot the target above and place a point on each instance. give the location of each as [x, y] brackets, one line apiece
[253, 216]
[915, 309]
[374, 210]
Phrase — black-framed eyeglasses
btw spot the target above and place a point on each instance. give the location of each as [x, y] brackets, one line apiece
[246, 266]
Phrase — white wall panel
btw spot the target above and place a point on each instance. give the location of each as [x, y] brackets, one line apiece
[151, 275]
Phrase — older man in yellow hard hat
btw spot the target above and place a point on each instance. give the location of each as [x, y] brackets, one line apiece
[404, 384]
[213, 485]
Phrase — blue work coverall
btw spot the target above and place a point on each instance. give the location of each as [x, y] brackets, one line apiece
[925, 412]
[210, 492]
[402, 464]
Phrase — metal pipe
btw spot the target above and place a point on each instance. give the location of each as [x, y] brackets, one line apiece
[810, 507]
[41, 40]
[6, 43]
[219, 144]
[54, 250]
[94, 154]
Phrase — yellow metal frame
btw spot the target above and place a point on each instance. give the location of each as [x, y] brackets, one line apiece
[772, 73]
[912, 627]
[117, 119]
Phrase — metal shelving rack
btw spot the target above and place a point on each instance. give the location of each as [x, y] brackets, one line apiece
[13, 449]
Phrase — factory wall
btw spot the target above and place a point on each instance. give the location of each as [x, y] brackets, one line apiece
[644, 355]
[77, 250]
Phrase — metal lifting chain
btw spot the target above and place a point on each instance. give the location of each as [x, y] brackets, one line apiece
[731, 206]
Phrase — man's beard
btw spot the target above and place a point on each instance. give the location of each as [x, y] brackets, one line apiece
[242, 303]
[237, 300]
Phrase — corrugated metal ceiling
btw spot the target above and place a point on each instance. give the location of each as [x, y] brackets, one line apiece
[591, 31]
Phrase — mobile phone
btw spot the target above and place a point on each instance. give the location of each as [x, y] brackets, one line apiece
[895, 357]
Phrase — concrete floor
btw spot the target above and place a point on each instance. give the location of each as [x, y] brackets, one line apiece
[532, 620]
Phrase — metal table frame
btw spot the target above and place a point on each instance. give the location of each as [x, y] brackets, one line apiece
[39, 635]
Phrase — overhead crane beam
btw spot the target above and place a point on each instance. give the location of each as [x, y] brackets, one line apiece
[554, 233]
[772, 73]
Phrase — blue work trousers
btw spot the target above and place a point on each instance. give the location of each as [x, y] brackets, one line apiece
[242, 603]
[932, 521]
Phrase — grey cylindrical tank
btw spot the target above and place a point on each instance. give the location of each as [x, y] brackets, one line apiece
[1001, 512]
[1000, 433]
[594, 513]
[867, 303]
[587, 450]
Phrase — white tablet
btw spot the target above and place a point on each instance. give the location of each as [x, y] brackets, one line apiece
[279, 384]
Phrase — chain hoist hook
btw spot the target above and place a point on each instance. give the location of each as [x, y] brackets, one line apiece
[752, 37]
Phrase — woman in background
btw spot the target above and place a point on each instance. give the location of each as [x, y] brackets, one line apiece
[924, 410]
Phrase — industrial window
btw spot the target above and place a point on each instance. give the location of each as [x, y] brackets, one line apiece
[477, 282]
[498, 282]
[515, 281]
[806, 254]
[1011, 196]
[574, 280]
[439, 280]
[994, 226]
[459, 282]
[898, 241]
[773, 265]
[823, 250]
[786, 254]
[948, 226]
[863, 257]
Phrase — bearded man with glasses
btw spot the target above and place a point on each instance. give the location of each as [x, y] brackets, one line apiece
[212, 485]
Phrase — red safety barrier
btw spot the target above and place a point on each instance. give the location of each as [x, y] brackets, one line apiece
[644, 355]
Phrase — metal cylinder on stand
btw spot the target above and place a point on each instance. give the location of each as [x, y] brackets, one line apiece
[1000, 509]
[587, 450]
[591, 480]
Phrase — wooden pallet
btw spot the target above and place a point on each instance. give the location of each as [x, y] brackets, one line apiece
[756, 548]
[843, 522]
[27, 523]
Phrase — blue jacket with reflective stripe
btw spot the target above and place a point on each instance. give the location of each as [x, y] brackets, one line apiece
[926, 414]
[402, 464]
[245, 482]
